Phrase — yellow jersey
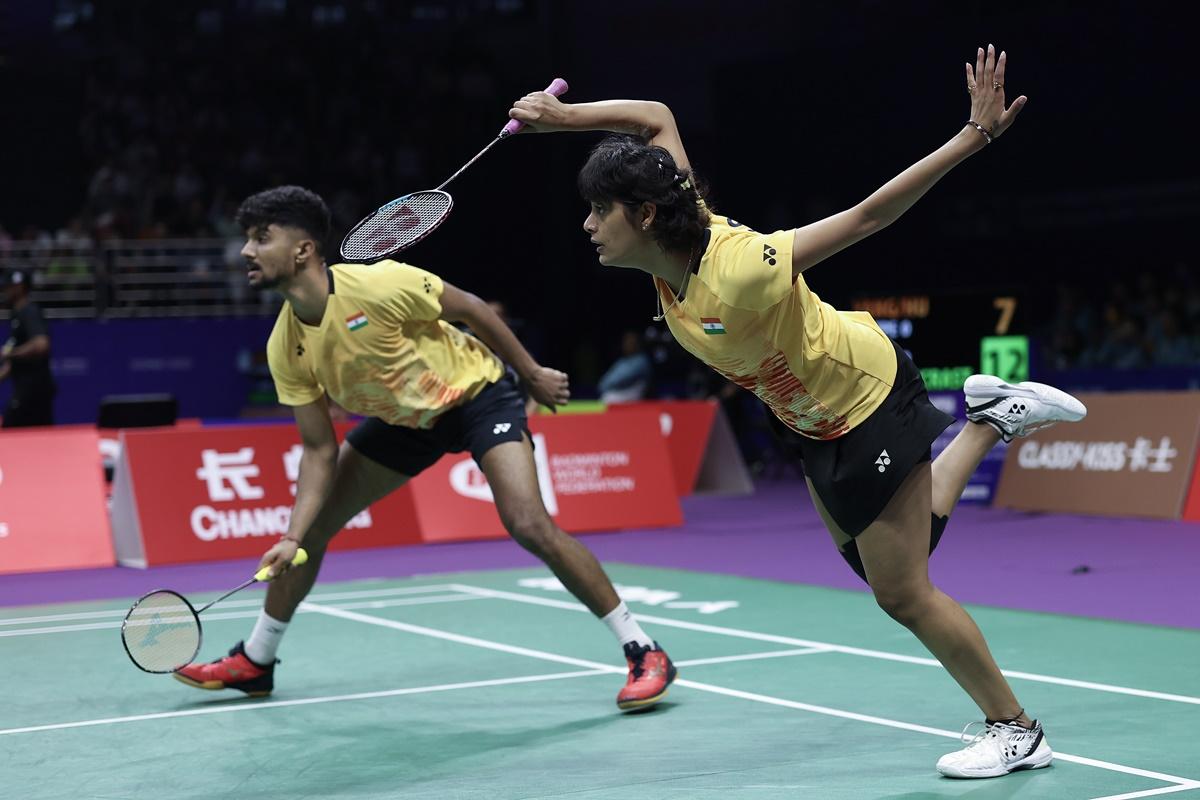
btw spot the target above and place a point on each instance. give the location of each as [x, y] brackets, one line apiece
[820, 370]
[381, 349]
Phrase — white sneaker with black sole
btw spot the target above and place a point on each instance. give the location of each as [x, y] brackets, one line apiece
[1000, 748]
[1018, 409]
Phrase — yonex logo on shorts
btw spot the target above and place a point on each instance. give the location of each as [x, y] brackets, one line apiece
[501, 427]
[883, 461]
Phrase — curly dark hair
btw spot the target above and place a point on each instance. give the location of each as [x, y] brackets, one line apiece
[291, 206]
[630, 171]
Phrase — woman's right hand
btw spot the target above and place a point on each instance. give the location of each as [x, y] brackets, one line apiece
[541, 112]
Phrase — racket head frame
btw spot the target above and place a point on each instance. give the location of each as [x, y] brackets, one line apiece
[195, 617]
[346, 240]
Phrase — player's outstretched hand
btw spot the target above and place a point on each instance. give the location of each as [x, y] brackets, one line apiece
[279, 558]
[549, 387]
[985, 84]
[541, 112]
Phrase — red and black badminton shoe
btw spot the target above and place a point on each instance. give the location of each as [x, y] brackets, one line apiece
[234, 671]
[650, 673]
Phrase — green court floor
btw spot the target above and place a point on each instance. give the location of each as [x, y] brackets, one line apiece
[498, 686]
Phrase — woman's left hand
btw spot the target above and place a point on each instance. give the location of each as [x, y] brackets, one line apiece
[985, 84]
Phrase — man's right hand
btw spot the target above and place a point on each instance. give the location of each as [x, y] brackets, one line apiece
[279, 558]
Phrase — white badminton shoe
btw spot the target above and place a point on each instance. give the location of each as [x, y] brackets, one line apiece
[1018, 409]
[1000, 748]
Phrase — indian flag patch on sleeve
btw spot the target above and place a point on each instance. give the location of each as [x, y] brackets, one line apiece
[712, 325]
[356, 321]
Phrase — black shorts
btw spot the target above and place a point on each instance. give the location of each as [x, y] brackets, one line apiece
[856, 474]
[494, 416]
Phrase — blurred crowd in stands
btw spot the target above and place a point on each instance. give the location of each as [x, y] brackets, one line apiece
[1149, 318]
[175, 134]
[178, 128]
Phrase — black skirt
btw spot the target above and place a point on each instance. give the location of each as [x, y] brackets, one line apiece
[856, 474]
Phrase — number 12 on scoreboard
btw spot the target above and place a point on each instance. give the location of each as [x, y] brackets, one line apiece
[1006, 357]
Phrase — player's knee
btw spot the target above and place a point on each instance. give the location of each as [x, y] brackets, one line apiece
[903, 602]
[532, 530]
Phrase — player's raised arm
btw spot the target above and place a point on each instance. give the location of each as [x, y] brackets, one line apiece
[544, 113]
[988, 120]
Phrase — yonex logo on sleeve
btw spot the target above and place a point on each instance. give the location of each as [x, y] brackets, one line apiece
[501, 427]
[769, 254]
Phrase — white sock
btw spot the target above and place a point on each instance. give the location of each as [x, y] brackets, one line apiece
[264, 640]
[625, 627]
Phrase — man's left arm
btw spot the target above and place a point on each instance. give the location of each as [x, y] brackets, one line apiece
[38, 344]
[35, 348]
[548, 386]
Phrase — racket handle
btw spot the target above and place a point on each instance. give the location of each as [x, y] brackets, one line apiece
[264, 574]
[558, 87]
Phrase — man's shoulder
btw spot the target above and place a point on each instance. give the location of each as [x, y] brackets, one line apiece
[30, 310]
[285, 323]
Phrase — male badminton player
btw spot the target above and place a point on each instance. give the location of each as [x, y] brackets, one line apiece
[737, 300]
[379, 340]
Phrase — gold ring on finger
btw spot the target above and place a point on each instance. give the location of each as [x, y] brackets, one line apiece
[997, 86]
[970, 88]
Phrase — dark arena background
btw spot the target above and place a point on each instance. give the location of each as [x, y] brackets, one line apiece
[436, 658]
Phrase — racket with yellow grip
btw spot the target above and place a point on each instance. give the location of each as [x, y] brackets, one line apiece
[162, 632]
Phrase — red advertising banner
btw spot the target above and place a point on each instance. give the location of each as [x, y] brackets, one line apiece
[685, 425]
[1191, 508]
[704, 453]
[594, 473]
[218, 493]
[52, 508]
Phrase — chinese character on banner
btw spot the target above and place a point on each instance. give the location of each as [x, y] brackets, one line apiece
[291, 465]
[233, 468]
[1162, 455]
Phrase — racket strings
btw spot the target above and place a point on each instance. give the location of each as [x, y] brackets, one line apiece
[162, 632]
[396, 226]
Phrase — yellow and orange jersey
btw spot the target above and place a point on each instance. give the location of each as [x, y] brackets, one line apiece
[820, 370]
[381, 349]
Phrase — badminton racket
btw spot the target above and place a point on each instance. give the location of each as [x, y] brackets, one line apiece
[407, 220]
[162, 633]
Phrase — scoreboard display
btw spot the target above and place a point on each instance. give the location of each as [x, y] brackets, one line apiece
[951, 336]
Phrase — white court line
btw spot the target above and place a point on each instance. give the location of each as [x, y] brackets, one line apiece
[593, 668]
[209, 617]
[1183, 787]
[341, 698]
[708, 687]
[120, 612]
[854, 651]
[695, 662]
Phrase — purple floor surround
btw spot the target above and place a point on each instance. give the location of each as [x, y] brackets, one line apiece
[1120, 569]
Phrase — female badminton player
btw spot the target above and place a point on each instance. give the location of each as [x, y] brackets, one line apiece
[738, 300]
